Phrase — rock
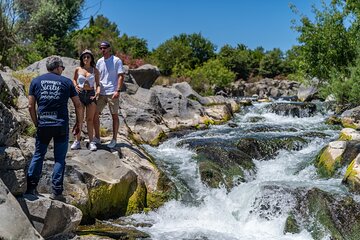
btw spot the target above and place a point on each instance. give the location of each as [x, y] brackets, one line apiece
[100, 188]
[39, 67]
[267, 148]
[326, 215]
[14, 224]
[330, 158]
[348, 134]
[145, 75]
[9, 127]
[12, 169]
[51, 218]
[351, 118]
[306, 93]
[352, 175]
[293, 109]
[263, 88]
[223, 166]
[219, 113]
[103, 229]
[142, 113]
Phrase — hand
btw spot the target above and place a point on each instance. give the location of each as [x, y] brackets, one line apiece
[78, 89]
[75, 129]
[116, 95]
[95, 96]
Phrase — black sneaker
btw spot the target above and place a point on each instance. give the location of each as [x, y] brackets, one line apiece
[58, 197]
[31, 194]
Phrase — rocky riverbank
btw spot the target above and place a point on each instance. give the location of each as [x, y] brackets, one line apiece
[116, 182]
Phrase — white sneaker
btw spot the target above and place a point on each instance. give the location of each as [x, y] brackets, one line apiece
[96, 140]
[92, 146]
[75, 145]
[112, 144]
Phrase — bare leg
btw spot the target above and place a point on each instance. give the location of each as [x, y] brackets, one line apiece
[97, 124]
[81, 117]
[115, 118]
[90, 113]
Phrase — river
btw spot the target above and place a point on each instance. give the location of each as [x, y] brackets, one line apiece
[250, 210]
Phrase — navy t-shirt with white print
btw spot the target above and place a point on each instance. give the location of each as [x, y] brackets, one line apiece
[52, 93]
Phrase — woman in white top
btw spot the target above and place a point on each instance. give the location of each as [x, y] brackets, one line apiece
[86, 78]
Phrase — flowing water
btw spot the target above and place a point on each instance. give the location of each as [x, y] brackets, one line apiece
[216, 214]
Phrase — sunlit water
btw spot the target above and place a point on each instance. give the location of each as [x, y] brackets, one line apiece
[204, 213]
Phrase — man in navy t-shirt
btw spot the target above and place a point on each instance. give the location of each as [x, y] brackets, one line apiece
[51, 93]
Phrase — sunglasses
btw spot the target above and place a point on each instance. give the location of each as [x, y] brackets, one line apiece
[86, 56]
[101, 48]
[63, 68]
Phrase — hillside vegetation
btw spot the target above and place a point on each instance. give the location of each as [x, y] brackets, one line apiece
[327, 50]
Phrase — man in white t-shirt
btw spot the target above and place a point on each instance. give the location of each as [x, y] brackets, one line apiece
[111, 81]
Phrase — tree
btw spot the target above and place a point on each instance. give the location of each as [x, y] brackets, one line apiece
[186, 51]
[236, 59]
[7, 30]
[326, 43]
[133, 46]
[271, 65]
[48, 17]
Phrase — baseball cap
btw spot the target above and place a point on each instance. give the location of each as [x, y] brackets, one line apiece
[104, 44]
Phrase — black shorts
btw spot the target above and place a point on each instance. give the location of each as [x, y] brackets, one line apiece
[85, 95]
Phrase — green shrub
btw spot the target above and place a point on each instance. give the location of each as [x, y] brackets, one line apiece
[345, 89]
[212, 73]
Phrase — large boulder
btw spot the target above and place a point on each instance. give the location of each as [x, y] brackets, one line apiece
[14, 224]
[145, 75]
[324, 215]
[105, 184]
[143, 116]
[330, 158]
[51, 218]
[266, 148]
[39, 67]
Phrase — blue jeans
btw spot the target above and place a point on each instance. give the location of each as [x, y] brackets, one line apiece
[43, 137]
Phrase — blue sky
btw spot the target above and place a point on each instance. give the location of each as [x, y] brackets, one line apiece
[265, 23]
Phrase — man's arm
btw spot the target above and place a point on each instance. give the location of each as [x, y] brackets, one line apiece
[77, 105]
[32, 110]
[119, 86]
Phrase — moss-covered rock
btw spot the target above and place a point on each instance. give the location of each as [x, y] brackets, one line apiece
[324, 214]
[352, 175]
[106, 199]
[267, 148]
[223, 165]
[334, 157]
[330, 159]
[291, 225]
[104, 230]
[333, 120]
[348, 134]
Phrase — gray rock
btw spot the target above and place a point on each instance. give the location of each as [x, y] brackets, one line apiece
[145, 75]
[51, 218]
[306, 93]
[14, 224]
[39, 67]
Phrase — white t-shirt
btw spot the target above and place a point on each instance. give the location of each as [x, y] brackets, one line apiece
[109, 70]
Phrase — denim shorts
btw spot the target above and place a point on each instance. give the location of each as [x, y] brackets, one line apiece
[85, 95]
